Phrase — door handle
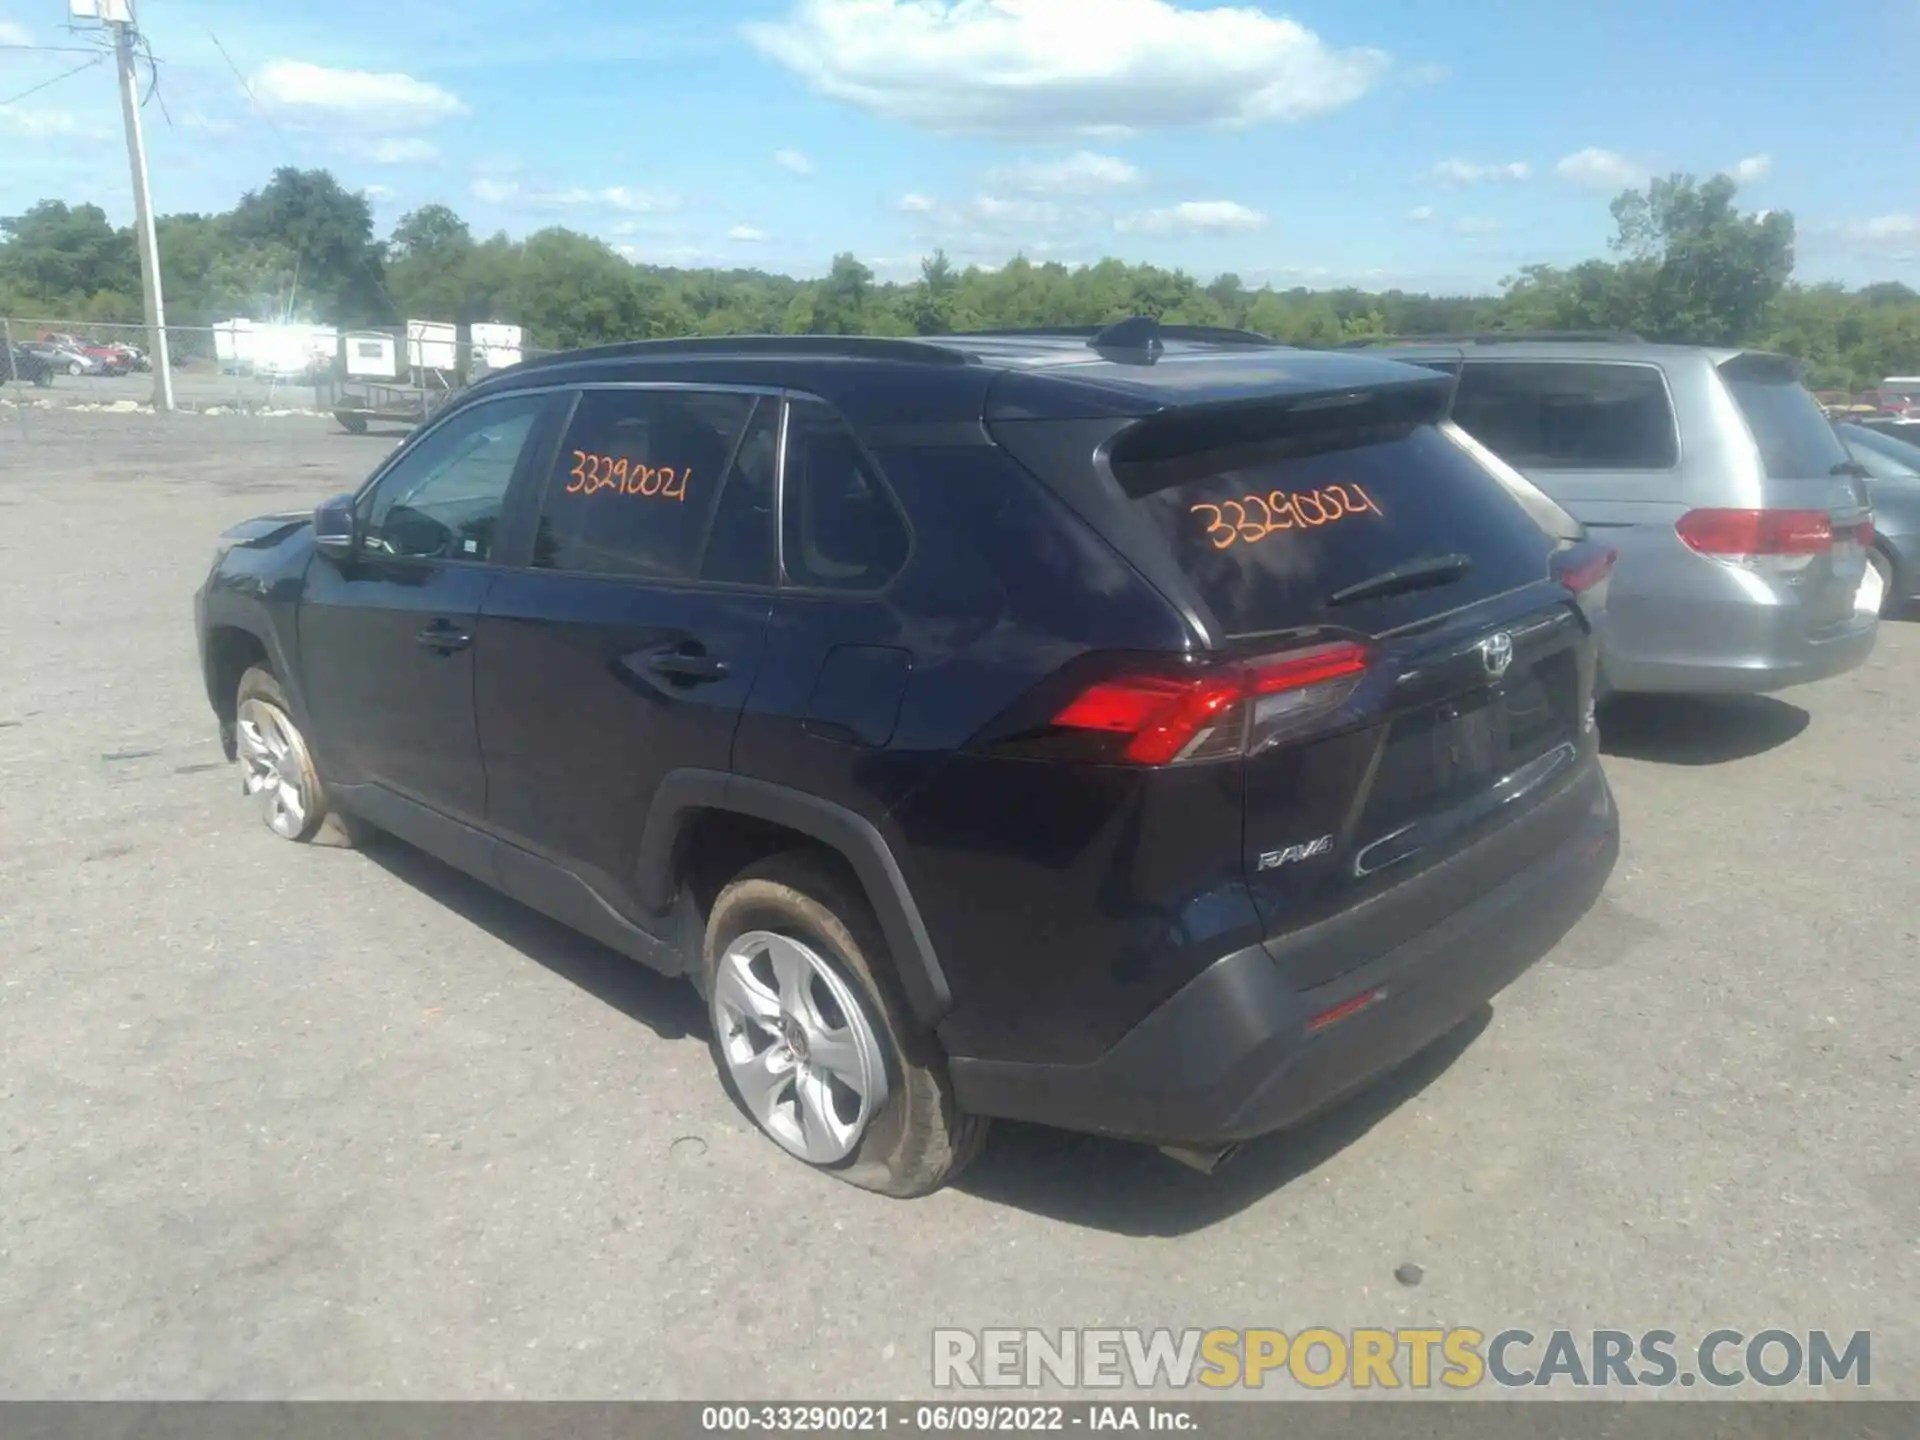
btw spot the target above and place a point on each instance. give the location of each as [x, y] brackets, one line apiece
[444, 637]
[689, 665]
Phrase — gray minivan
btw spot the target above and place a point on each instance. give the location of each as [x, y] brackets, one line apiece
[1740, 520]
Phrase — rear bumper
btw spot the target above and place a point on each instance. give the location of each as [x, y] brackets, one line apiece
[1231, 1055]
[1753, 649]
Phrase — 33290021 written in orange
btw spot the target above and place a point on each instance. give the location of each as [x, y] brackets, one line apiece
[592, 473]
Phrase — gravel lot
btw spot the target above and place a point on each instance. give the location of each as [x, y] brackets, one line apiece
[290, 1122]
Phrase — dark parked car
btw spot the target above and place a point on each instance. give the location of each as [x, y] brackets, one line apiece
[17, 363]
[1893, 480]
[1152, 732]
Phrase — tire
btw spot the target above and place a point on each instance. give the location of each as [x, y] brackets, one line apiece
[908, 1136]
[353, 424]
[277, 768]
[74, 367]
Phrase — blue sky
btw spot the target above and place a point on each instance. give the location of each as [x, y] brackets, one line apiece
[1371, 142]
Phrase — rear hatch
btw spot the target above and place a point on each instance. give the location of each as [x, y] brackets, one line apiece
[1407, 676]
[1811, 492]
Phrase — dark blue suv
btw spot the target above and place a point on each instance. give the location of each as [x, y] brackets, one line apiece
[1150, 731]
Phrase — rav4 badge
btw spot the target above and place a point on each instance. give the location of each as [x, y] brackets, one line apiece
[1274, 859]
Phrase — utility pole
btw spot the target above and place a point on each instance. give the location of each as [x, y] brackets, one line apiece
[118, 15]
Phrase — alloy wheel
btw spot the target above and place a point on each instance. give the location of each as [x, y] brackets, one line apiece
[799, 1048]
[278, 772]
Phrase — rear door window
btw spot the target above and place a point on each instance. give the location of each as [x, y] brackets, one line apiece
[1271, 534]
[1796, 441]
[1569, 415]
[637, 482]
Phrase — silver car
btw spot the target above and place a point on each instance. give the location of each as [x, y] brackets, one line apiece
[1741, 522]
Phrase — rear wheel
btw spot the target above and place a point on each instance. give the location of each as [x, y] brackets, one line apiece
[813, 1040]
[277, 767]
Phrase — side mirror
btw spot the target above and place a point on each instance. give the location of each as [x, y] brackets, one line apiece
[336, 531]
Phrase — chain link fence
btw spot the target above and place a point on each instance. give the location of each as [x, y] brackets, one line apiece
[399, 374]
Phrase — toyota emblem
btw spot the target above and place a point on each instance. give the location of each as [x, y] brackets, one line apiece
[1496, 653]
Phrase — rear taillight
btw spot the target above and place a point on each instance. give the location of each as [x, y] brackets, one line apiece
[1234, 710]
[1744, 534]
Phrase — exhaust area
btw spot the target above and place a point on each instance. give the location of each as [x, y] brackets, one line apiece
[1204, 1158]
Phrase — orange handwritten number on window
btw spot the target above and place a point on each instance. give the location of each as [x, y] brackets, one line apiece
[1281, 510]
[1253, 531]
[1216, 528]
[593, 473]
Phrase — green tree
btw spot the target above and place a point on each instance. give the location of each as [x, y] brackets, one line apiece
[1699, 269]
[57, 258]
[930, 307]
[840, 303]
[329, 231]
[430, 274]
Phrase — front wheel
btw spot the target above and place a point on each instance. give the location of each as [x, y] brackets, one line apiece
[813, 1040]
[277, 767]
[74, 367]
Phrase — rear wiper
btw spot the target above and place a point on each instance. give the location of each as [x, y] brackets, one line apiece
[1414, 575]
[1851, 467]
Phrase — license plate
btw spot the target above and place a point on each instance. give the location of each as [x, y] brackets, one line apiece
[1470, 742]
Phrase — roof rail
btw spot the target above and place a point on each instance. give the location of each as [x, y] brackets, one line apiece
[1495, 337]
[858, 347]
[1202, 334]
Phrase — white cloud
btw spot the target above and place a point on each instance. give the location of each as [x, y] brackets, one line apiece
[996, 210]
[1752, 168]
[1064, 66]
[375, 98]
[410, 150]
[916, 205]
[1194, 217]
[747, 234]
[47, 124]
[1477, 225]
[496, 191]
[1080, 173]
[1883, 227]
[793, 160]
[377, 192]
[1420, 214]
[1600, 169]
[1471, 172]
[12, 34]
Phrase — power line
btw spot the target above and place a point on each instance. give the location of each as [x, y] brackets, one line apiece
[59, 49]
[252, 99]
[45, 84]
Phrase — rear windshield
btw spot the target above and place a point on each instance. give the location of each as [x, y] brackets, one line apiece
[1270, 534]
[1796, 441]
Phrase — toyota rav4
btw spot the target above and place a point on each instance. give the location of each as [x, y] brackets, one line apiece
[1154, 732]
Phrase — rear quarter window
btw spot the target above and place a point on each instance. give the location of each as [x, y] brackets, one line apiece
[1795, 440]
[1269, 533]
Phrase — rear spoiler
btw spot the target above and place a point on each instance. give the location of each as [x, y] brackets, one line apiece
[1168, 447]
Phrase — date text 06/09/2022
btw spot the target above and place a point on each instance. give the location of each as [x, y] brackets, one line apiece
[961, 1419]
